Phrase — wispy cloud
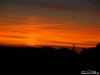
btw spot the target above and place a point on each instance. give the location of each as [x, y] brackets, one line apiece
[54, 22]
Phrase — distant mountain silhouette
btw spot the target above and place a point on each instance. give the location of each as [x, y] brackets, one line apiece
[92, 51]
[49, 55]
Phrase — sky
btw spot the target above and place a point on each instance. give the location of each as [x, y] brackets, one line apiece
[50, 22]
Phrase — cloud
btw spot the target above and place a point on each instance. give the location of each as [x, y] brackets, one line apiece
[57, 4]
[70, 20]
[13, 37]
[67, 43]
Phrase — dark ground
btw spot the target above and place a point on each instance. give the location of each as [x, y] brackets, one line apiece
[70, 60]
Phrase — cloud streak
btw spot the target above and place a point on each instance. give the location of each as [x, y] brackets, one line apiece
[56, 22]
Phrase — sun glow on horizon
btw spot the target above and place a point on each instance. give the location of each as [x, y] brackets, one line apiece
[27, 24]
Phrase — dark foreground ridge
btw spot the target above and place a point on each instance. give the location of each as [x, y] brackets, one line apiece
[88, 59]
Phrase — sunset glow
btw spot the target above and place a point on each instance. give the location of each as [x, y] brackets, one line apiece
[49, 23]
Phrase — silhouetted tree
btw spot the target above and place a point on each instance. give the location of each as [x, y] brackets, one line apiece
[73, 48]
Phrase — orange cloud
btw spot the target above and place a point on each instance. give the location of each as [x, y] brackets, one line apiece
[48, 30]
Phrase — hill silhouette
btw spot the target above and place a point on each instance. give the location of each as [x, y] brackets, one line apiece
[87, 59]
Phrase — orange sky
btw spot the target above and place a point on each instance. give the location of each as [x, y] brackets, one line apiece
[29, 26]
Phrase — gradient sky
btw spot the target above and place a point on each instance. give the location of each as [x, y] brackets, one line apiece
[50, 22]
